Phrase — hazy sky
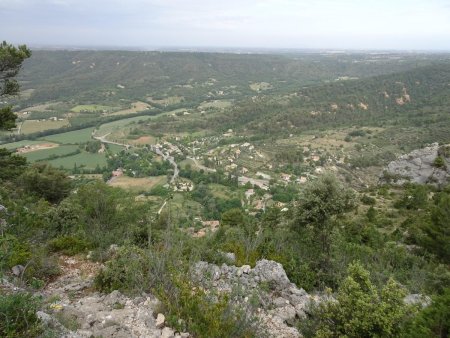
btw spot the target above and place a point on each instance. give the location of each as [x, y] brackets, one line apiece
[336, 24]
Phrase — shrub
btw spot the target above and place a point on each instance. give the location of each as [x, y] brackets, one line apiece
[358, 132]
[13, 252]
[439, 162]
[128, 272]
[367, 200]
[18, 316]
[69, 245]
[45, 181]
[360, 310]
[41, 267]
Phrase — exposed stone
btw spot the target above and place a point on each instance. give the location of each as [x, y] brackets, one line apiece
[95, 315]
[418, 167]
[114, 298]
[17, 270]
[275, 326]
[280, 304]
[160, 319]
[167, 332]
[271, 272]
[287, 313]
[246, 268]
[417, 299]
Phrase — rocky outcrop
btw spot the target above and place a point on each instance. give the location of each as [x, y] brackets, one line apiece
[419, 167]
[280, 302]
[112, 315]
[75, 311]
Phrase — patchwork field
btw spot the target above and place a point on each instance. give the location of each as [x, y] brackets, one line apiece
[71, 137]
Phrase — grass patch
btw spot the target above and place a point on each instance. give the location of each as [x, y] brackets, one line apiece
[91, 108]
[84, 160]
[138, 184]
[34, 126]
[115, 149]
[222, 191]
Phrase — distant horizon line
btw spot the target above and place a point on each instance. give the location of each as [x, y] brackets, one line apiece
[231, 49]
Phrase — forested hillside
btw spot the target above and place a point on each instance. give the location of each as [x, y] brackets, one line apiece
[93, 75]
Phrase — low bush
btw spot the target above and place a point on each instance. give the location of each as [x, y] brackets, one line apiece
[13, 252]
[128, 272]
[18, 316]
[69, 245]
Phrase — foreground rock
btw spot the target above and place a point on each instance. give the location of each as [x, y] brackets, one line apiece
[280, 302]
[419, 166]
[76, 311]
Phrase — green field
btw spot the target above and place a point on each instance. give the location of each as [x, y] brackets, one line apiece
[71, 137]
[91, 108]
[46, 153]
[84, 159]
[18, 144]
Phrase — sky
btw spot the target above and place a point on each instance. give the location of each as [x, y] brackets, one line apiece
[296, 24]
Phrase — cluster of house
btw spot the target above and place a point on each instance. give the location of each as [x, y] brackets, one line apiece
[171, 148]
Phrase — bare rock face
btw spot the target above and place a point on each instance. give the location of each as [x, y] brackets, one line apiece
[419, 166]
[280, 301]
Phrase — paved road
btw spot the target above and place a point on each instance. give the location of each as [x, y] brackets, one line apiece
[169, 158]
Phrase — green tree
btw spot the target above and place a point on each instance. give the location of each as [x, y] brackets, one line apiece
[320, 203]
[437, 232]
[11, 165]
[434, 320]
[233, 217]
[45, 181]
[360, 310]
[11, 59]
